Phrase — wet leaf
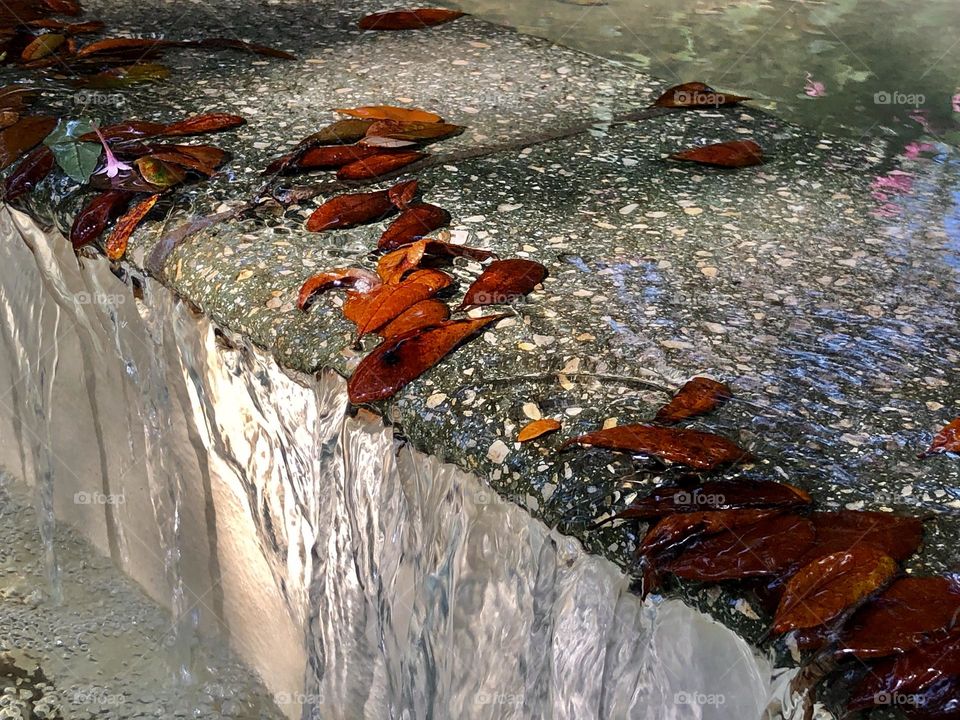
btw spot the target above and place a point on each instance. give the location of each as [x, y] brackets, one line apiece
[159, 173]
[504, 282]
[375, 166]
[124, 46]
[402, 194]
[394, 265]
[898, 536]
[125, 76]
[21, 137]
[674, 532]
[8, 118]
[29, 173]
[16, 97]
[913, 610]
[233, 44]
[346, 211]
[360, 307]
[734, 154]
[699, 396]
[41, 46]
[696, 95]
[420, 132]
[341, 132]
[830, 585]
[414, 223]
[76, 158]
[204, 159]
[419, 315]
[116, 245]
[202, 124]
[945, 441]
[362, 281]
[537, 428]
[693, 448]
[63, 7]
[91, 221]
[738, 494]
[127, 130]
[372, 141]
[81, 28]
[408, 19]
[389, 112]
[324, 157]
[396, 362]
[389, 301]
[769, 546]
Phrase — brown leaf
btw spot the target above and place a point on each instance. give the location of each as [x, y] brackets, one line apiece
[116, 244]
[504, 282]
[419, 315]
[389, 112]
[402, 194]
[402, 359]
[127, 130]
[234, 44]
[346, 211]
[697, 397]
[323, 157]
[124, 76]
[22, 137]
[63, 7]
[898, 536]
[738, 494]
[202, 124]
[159, 173]
[825, 588]
[41, 46]
[945, 441]
[693, 448]
[91, 221]
[394, 265]
[29, 173]
[358, 306]
[734, 154]
[124, 46]
[696, 95]
[768, 546]
[81, 28]
[8, 118]
[414, 223]
[341, 132]
[204, 159]
[389, 301]
[537, 428]
[408, 19]
[383, 163]
[362, 281]
[674, 532]
[912, 611]
[420, 132]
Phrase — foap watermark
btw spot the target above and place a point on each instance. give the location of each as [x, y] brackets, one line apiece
[100, 298]
[700, 699]
[696, 498]
[895, 97]
[88, 98]
[298, 699]
[699, 97]
[485, 698]
[98, 498]
[97, 696]
[898, 699]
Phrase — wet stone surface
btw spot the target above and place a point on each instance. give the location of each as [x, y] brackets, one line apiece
[821, 286]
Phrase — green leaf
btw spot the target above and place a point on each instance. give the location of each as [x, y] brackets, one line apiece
[77, 159]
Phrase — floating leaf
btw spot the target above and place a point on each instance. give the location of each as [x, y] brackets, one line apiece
[537, 428]
[346, 211]
[504, 282]
[419, 315]
[78, 159]
[396, 362]
[362, 281]
[389, 112]
[125, 76]
[159, 173]
[696, 95]
[408, 19]
[734, 154]
[693, 448]
[420, 132]
[830, 585]
[697, 397]
[116, 245]
[402, 194]
[41, 46]
[29, 173]
[91, 221]
[945, 441]
[414, 223]
[375, 166]
[21, 137]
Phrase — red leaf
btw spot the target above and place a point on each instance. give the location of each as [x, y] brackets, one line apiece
[698, 397]
[127, 130]
[346, 211]
[116, 244]
[389, 112]
[389, 301]
[692, 448]
[504, 282]
[696, 95]
[898, 536]
[351, 278]
[408, 19]
[91, 221]
[29, 173]
[675, 531]
[735, 154]
[419, 315]
[402, 194]
[324, 157]
[123, 46]
[414, 223]
[945, 441]
[22, 137]
[402, 359]
[383, 163]
[202, 124]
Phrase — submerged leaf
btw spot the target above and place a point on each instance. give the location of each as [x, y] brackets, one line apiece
[346, 211]
[323, 157]
[398, 361]
[91, 221]
[734, 154]
[676, 531]
[537, 428]
[421, 132]
[41, 46]
[419, 315]
[697, 397]
[504, 282]
[362, 281]
[696, 95]
[29, 173]
[21, 137]
[202, 124]
[116, 245]
[160, 173]
[408, 19]
[945, 441]
[120, 77]
[394, 265]
[389, 112]
[414, 223]
[382, 163]
[898, 536]
[78, 159]
[388, 302]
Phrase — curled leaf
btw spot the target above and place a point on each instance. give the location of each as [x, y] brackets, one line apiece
[389, 112]
[537, 428]
[696, 95]
[378, 165]
[362, 281]
[41, 46]
[697, 397]
[408, 19]
[945, 441]
[504, 282]
[91, 221]
[419, 315]
[734, 154]
[402, 194]
[346, 211]
[116, 244]
[398, 361]
[693, 448]
[414, 223]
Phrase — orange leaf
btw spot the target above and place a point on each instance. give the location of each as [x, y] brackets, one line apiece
[830, 585]
[414, 223]
[503, 282]
[346, 211]
[421, 132]
[91, 221]
[408, 19]
[402, 194]
[697, 397]
[419, 315]
[537, 428]
[383, 163]
[389, 301]
[394, 265]
[41, 46]
[353, 278]
[398, 361]
[389, 112]
[945, 441]
[696, 95]
[735, 154]
[116, 244]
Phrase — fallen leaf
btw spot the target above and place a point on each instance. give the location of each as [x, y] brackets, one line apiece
[420, 132]
[414, 223]
[202, 124]
[389, 112]
[898, 536]
[66, 28]
[375, 166]
[830, 585]
[42, 45]
[693, 448]
[127, 130]
[16, 97]
[116, 244]
[204, 159]
[93, 218]
[21, 137]
[696, 95]
[323, 157]
[419, 315]
[402, 194]
[674, 532]
[945, 441]
[389, 301]
[504, 282]
[8, 118]
[63, 7]
[29, 173]
[341, 132]
[234, 44]
[537, 428]
[396, 362]
[359, 306]
[159, 173]
[373, 141]
[408, 19]
[734, 154]
[346, 211]
[120, 77]
[394, 265]
[363, 281]
[123, 46]
[697, 397]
